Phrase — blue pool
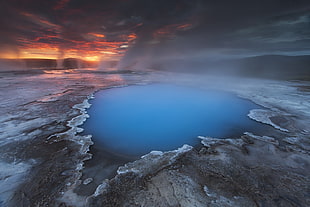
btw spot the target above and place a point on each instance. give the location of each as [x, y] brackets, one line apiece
[134, 120]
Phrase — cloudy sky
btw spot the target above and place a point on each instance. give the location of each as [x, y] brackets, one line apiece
[128, 29]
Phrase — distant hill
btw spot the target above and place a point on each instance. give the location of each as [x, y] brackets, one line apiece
[73, 63]
[39, 63]
[68, 63]
[275, 66]
[267, 66]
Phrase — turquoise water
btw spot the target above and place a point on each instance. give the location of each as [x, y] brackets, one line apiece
[137, 119]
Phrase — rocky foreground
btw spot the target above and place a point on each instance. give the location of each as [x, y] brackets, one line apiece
[42, 155]
[230, 172]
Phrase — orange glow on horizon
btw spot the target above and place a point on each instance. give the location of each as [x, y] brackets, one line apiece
[54, 54]
[92, 58]
[89, 51]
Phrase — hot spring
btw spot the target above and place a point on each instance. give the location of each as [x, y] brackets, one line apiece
[135, 120]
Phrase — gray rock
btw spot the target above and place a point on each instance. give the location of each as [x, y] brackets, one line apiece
[265, 176]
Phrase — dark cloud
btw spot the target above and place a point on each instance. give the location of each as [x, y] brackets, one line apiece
[161, 28]
[233, 30]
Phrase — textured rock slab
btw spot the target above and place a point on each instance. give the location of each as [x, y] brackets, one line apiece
[242, 172]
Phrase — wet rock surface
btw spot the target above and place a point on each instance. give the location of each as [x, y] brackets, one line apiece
[42, 155]
[38, 133]
[239, 172]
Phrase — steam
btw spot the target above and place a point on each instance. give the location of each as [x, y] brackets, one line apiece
[60, 59]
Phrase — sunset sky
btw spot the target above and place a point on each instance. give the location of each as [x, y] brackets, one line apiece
[115, 29]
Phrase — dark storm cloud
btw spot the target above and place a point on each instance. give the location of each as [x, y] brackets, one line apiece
[234, 29]
[178, 27]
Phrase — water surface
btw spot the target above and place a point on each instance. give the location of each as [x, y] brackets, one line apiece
[137, 119]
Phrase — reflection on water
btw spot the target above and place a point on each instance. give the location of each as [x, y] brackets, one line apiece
[137, 119]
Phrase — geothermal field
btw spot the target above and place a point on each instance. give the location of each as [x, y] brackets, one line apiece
[154, 103]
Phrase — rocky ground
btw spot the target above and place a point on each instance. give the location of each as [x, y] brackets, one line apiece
[42, 155]
[238, 172]
[39, 147]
